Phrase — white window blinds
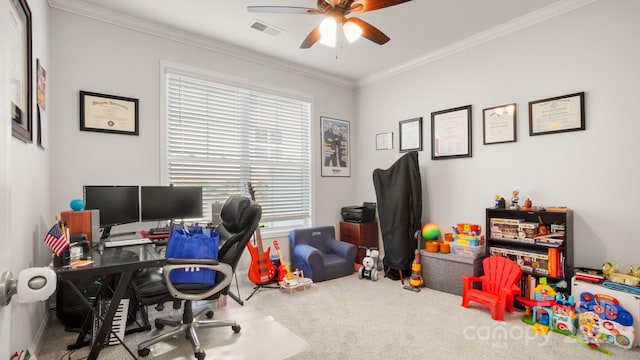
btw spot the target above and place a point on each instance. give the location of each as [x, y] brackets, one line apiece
[221, 137]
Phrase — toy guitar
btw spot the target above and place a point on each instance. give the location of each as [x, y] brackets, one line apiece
[261, 268]
[285, 272]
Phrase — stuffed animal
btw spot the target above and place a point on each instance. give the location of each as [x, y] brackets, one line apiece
[369, 267]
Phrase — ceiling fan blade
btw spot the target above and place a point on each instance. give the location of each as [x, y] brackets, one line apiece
[282, 10]
[369, 31]
[370, 5]
[312, 38]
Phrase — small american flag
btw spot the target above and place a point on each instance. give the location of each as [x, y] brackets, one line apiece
[56, 239]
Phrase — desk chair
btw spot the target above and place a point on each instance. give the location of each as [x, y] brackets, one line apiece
[240, 217]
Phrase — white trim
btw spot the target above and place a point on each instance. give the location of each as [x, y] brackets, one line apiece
[170, 33]
[530, 19]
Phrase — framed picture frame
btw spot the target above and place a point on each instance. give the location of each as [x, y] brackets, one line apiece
[557, 114]
[108, 113]
[451, 133]
[499, 124]
[411, 135]
[384, 141]
[20, 70]
[336, 149]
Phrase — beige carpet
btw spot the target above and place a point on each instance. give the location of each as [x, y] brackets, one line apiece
[349, 318]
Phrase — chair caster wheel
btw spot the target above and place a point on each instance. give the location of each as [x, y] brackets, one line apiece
[209, 314]
[235, 328]
[159, 326]
[143, 352]
[199, 355]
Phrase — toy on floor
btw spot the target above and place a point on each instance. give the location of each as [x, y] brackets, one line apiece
[602, 319]
[369, 269]
[415, 282]
[551, 309]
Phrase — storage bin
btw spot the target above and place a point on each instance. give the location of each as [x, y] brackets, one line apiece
[467, 251]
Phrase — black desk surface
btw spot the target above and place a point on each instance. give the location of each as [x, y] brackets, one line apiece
[114, 260]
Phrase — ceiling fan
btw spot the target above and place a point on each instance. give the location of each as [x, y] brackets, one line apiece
[336, 12]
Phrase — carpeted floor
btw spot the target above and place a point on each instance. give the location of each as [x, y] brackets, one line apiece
[349, 318]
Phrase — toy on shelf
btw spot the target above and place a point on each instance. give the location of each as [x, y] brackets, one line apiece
[369, 268]
[515, 199]
[416, 281]
[499, 202]
[527, 204]
[550, 308]
[601, 319]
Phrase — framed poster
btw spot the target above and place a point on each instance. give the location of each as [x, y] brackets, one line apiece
[557, 114]
[451, 133]
[335, 147]
[411, 135]
[499, 124]
[19, 69]
[108, 113]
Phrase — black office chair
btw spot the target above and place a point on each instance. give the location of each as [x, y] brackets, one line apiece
[240, 217]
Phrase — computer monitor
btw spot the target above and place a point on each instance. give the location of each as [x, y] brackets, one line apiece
[117, 204]
[170, 202]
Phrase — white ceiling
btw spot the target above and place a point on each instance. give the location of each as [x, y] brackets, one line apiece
[419, 29]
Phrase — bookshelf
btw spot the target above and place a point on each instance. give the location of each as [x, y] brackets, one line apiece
[515, 233]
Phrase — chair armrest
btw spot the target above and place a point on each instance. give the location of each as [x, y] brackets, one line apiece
[469, 280]
[342, 248]
[174, 264]
[306, 252]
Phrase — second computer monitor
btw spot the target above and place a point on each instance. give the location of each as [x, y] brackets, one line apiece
[170, 202]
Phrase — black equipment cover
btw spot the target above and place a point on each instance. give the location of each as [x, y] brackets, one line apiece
[399, 196]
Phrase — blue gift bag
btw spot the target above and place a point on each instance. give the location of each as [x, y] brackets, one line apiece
[184, 245]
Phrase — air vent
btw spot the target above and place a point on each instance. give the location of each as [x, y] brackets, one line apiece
[265, 28]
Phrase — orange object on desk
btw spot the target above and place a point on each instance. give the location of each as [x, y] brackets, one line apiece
[146, 234]
[444, 247]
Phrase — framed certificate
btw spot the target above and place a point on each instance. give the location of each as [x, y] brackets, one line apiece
[451, 133]
[499, 124]
[557, 114]
[411, 135]
[108, 113]
[384, 141]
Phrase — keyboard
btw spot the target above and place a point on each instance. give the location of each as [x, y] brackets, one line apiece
[128, 242]
[160, 231]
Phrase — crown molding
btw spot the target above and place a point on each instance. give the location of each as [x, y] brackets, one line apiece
[170, 33]
[530, 19]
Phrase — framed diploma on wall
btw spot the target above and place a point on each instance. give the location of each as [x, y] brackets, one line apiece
[108, 113]
[451, 133]
[499, 124]
[557, 114]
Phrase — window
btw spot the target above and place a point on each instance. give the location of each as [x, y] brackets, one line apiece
[222, 136]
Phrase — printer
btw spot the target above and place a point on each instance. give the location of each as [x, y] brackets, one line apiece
[359, 214]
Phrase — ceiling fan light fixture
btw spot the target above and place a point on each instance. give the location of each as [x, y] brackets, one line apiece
[328, 29]
[351, 31]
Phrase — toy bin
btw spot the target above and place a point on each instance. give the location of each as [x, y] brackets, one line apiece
[466, 240]
[467, 251]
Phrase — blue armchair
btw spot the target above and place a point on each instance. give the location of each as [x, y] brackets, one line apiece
[316, 251]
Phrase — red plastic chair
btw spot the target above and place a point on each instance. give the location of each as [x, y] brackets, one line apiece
[498, 286]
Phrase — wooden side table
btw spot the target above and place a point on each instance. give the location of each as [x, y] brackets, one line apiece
[360, 234]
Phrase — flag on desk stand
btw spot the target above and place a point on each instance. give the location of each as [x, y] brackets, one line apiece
[56, 239]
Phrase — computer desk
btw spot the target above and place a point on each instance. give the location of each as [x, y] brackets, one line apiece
[123, 261]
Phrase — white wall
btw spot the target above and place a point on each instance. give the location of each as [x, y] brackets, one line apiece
[594, 172]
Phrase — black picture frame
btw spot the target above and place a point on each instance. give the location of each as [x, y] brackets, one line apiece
[451, 133]
[499, 124]
[410, 135]
[21, 79]
[557, 114]
[108, 113]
